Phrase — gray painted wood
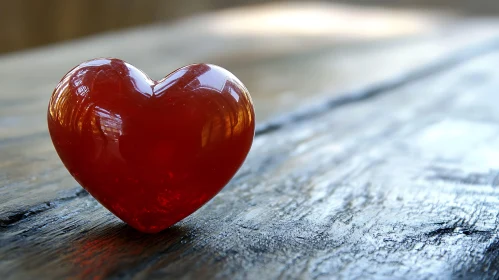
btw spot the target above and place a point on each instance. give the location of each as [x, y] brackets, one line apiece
[396, 180]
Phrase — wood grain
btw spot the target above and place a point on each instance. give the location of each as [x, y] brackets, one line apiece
[357, 191]
[382, 164]
[282, 76]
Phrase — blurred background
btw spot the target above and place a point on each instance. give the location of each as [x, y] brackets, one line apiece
[31, 23]
[291, 55]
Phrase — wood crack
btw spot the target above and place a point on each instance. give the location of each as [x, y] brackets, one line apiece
[21, 215]
[383, 87]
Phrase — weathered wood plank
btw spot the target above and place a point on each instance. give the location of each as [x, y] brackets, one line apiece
[402, 184]
[272, 66]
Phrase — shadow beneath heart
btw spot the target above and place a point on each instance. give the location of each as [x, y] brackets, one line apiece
[117, 249]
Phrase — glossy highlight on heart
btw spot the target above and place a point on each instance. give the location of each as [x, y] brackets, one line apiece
[152, 152]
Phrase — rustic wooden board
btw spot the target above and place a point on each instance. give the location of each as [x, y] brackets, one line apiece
[271, 59]
[381, 164]
[398, 182]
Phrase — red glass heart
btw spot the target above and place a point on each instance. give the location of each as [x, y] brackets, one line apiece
[151, 152]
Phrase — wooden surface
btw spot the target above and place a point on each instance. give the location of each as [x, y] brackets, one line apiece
[375, 155]
[30, 23]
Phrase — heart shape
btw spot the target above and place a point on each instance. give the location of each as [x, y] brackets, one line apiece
[151, 152]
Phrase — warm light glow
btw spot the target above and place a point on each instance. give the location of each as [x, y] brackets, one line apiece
[318, 19]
